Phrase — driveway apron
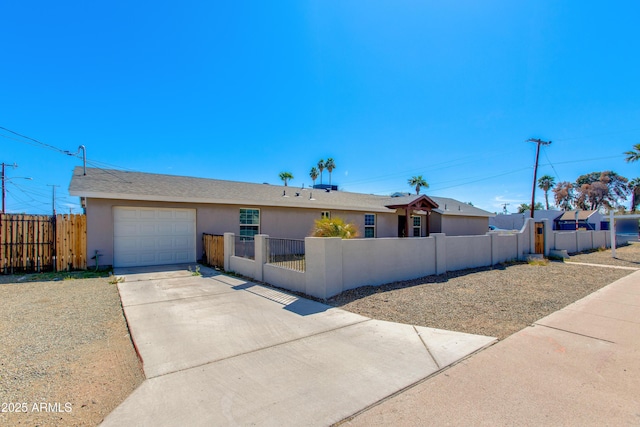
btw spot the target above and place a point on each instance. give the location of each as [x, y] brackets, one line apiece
[219, 350]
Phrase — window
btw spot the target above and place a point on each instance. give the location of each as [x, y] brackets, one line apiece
[417, 226]
[325, 214]
[249, 222]
[369, 225]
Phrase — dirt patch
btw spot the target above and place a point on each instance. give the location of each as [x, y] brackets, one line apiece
[66, 358]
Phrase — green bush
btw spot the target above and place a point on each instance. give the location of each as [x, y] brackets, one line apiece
[334, 227]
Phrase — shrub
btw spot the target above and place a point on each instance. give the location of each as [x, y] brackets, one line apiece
[334, 227]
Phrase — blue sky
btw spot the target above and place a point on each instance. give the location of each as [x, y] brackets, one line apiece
[245, 90]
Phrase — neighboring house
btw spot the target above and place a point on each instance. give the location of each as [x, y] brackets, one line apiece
[562, 220]
[587, 220]
[136, 218]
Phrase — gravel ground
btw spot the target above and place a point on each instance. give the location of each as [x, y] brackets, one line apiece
[494, 301]
[66, 345]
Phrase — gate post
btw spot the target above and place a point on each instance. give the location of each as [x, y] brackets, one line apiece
[229, 249]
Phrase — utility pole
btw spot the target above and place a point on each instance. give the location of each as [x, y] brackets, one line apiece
[54, 197]
[539, 142]
[4, 191]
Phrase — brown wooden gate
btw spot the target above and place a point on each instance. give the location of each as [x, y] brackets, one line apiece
[213, 248]
[539, 238]
[34, 243]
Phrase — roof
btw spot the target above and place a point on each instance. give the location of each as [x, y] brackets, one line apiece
[117, 184]
[571, 215]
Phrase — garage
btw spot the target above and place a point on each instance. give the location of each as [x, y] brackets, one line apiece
[153, 236]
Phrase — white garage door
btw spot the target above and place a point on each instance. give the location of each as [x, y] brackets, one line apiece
[153, 236]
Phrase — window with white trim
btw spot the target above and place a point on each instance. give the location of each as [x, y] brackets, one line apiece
[325, 214]
[417, 226]
[369, 225]
[249, 222]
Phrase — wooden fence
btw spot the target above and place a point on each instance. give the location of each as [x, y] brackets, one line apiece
[213, 248]
[34, 243]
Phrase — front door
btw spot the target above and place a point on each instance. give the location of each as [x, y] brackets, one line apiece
[402, 225]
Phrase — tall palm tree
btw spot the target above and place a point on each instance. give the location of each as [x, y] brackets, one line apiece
[545, 183]
[314, 175]
[418, 182]
[321, 168]
[634, 154]
[285, 176]
[330, 165]
[634, 187]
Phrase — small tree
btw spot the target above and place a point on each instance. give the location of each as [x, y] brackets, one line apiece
[314, 175]
[334, 227]
[525, 207]
[285, 176]
[634, 154]
[418, 182]
[545, 183]
[330, 165]
[321, 168]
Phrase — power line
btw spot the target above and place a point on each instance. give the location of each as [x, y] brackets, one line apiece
[51, 147]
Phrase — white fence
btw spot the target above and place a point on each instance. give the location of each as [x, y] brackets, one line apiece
[333, 265]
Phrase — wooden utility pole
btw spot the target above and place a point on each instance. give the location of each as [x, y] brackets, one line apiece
[4, 178]
[539, 142]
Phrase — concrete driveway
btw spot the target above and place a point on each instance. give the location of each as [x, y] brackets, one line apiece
[218, 350]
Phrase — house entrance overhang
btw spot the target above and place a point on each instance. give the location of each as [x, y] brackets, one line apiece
[420, 203]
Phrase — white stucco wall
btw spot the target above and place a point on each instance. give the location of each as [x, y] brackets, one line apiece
[374, 262]
[504, 247]
[468, 251]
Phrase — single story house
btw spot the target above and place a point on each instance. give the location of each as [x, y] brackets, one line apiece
[136, 218]
[587, 220]
[561, 220]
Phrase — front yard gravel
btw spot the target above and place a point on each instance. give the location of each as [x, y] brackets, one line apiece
[66, 345]
[494, 301]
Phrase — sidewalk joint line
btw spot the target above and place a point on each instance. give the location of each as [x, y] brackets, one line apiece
[575, 333]
[178, 299]
[427, 348]
[261, 348]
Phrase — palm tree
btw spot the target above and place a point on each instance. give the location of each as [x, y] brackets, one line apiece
[321, 168]
[418, 182]
[634, 154]
[545, 183]
[634, 187]
[330, 165]
[285, 176]
[314, 175]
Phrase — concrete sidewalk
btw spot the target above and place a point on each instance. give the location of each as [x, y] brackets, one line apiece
[218, 350]
[578, 366]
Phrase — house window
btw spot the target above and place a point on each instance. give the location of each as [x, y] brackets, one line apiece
[325, 214]
[417, 226]
[249, 222]
[369, 225]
